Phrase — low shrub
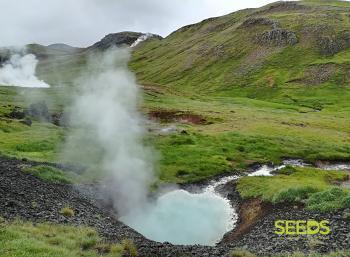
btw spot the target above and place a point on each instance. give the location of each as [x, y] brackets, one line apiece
[346, 201]
[328, 200]
[290, 195]
[129, 247]
[67, 212]
[89, 243]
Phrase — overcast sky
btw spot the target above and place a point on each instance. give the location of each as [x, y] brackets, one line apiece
[83, 22]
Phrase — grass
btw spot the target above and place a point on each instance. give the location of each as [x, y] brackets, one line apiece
[205, 56]
[311, 186]
[24, 239]
[67, 211]
[243, 131]
[328, 200]
[264, 103]
[38, 142]
[260, 103]
[239, 132]
[51, 174]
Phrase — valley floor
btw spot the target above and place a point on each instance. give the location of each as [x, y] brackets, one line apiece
[196, 138]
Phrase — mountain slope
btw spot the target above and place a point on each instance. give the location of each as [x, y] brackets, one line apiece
[255, 86]
[259, 53]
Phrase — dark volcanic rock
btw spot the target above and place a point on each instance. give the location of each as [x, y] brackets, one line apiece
[39, 111]
[27, 197]
[60, 119]
[316, 74]
[3, 59]
[16, 113]
[330, 45]
[118, 39]
[253, 21]
[277, 37]
[261, 238]
[5, 55]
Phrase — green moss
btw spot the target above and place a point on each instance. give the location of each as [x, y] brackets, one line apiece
[328, 200]
[211, 154]
[302, 185]
[292, 195]
[22, 239]
[51, 174]
[204, 57]
[38, 142]
[67, 211]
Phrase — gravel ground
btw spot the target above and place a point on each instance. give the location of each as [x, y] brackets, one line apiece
[27, 197]
[261, 238]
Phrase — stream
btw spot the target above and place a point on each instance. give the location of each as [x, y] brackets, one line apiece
[185, 218]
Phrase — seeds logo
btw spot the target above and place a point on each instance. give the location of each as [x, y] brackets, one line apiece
[302, 227]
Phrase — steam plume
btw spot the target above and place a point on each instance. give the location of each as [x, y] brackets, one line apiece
[19, 71]
[108, 129]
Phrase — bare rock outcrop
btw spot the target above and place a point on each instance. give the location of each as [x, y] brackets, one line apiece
[283, 6]
[118, 39]
[277, 37]
[254, 21]
[330, 45]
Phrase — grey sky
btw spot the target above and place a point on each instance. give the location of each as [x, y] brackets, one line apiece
[83, 22]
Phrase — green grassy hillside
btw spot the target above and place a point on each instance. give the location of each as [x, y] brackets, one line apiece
[257, 85]
[281, 51]
[273, 81]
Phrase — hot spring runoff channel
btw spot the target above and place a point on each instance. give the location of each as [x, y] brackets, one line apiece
[185, 218]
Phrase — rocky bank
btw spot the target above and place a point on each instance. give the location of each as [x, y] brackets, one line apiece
[29, 198]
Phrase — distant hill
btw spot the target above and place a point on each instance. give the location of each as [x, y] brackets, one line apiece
[119, 39]
[126, 38]
[258, 53]
[59, 64]
[63, 48]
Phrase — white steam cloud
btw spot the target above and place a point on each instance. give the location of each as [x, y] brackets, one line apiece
[19, 71]
[107, 134]
[106, 109]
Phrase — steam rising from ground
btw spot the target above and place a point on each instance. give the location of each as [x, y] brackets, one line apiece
[19, 71]
[109, 129]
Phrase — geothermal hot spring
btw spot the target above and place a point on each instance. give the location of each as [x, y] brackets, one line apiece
[108, 133]
[181, 217]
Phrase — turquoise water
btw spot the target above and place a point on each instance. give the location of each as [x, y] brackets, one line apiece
[180, 217]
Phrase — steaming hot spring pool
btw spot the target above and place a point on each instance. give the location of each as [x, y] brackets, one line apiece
[185, 218]
[181, 217]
